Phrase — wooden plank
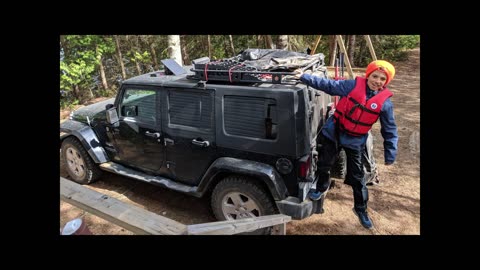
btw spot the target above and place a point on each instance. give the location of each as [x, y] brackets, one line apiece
[128, 216]
[280, 229]
[316, 45]
[370, 47]
[344, 51]
[237, 226]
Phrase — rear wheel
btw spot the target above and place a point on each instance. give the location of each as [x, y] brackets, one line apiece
[78, 163]
[238, 197]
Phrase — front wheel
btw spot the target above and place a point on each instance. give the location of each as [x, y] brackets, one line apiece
[238, 197]
[78, 163]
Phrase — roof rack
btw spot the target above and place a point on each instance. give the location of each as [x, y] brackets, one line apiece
[256, 66]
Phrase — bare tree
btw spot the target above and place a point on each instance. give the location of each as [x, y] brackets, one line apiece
[183, 45]
[259, 41]
[119, 56]
[102, 70]
[231, 44]
[333, 49]
[351, 49]
[174, 50]
[268, 40]
[209, 43]
[153, 52]
[282, 42]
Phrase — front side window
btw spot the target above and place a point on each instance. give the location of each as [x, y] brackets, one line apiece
[140, 105]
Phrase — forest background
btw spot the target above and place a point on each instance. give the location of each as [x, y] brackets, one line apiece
[93, 66]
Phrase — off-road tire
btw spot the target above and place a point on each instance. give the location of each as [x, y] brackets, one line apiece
[247, 189]
[85, 171]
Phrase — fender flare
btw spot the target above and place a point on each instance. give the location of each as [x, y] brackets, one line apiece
[261, 171]
[87, 137]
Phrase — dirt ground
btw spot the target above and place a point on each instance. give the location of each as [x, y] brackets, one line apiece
[394, 204]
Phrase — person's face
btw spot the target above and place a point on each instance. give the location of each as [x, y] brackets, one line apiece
[376, 80]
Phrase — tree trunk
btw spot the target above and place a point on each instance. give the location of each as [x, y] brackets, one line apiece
[209, 47]
[231, 44]
[102, 69]
[226, 46]
[361, 52]
[259, 41]
[120, 58]
[76, 93]
[268, 39]
[102, 74]
[137, 65]
[174, 50]
[282, 42]
[154, 55]
[183, 45]
[333, 49]
[351, 49]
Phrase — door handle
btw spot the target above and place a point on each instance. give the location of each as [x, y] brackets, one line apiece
[201, 143]
[168, 141]
[155, 135]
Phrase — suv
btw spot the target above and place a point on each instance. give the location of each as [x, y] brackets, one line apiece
[251, 147]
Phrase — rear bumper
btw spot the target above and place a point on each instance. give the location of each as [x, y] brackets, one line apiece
[292, 206]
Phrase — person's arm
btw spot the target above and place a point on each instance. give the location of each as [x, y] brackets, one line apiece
[389, 132]
[331, 87]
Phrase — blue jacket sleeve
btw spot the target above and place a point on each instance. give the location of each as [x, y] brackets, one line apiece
[389, 131]
[331, 87]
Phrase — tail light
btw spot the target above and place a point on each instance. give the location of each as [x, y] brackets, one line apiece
[304, 166]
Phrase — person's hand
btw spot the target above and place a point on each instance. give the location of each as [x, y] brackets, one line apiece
[298, 73]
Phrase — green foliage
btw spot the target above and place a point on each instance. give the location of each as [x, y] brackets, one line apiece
[80, 59]
[80, 55]
[387, 47]
[394, 47]
[140, 57]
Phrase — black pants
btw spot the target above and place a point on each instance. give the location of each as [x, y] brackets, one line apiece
[355, 173]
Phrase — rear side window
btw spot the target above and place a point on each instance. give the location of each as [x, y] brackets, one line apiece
[250, 117]
[139, 104]
[190, 109]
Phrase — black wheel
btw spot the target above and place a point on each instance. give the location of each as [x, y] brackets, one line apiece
[238, 197]
[78, 163]
[339, 169]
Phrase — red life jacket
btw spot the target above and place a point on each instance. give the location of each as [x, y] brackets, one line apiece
[354, 114]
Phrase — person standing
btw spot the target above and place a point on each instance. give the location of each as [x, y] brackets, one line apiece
[363, 101]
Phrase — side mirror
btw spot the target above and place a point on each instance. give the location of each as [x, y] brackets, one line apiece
[108, 106]
[112, 116]
[130, 110]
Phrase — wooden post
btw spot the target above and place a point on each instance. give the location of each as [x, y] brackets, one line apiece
[370, 47]
[344, 51]
[316, 45]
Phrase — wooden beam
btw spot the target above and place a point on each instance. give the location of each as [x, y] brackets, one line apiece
[316, 45]
[370, 47]
[239, 225]
[128, 216]
[344, 51]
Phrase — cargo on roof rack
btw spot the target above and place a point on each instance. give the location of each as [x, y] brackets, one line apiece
[257, 65]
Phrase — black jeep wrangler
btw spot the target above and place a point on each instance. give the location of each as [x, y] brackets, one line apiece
[249, 140]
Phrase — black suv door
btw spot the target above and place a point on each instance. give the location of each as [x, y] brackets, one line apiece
[189, 133]
[138, 135]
